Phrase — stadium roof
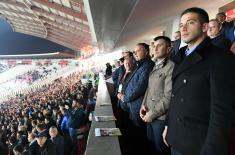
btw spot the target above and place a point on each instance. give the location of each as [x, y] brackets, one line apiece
[61, 21]
[106, 24]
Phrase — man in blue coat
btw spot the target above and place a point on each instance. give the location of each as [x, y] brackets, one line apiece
[138, 82]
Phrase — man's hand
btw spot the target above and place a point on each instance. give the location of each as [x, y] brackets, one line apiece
[120, 96]
[164, 135]
[147, 118]
[142, 111]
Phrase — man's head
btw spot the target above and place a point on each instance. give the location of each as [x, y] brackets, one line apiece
[41, 138]
[214, 28]
[177, 35]
[193, 25]
[127, 54]
[121, 60]
[221, 17]
[117, 63]
[162, 47]
[141, 51]
[76, 103]
[128, 64]
[31, 137]
[53, 132]
[18, 150]
[41, 127]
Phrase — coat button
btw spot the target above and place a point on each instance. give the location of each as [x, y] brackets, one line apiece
[172, 95]
[184, 81]
[181, 100]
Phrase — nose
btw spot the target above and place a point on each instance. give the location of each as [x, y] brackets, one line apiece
[183, 27]
[156, 47]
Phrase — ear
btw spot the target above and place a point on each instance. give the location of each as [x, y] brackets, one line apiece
[169, 50]
[204, 27]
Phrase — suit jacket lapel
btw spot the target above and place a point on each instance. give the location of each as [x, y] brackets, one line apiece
[187, 63]
[192, 59]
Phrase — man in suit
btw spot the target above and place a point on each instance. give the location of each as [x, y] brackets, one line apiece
[201, 113]
[157, 97]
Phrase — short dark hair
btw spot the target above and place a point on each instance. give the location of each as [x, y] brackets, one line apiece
[203, 15]
[18, 148]
[129, 53]
[166, 39]
[121, 59]
[146, 46]
[222, 13]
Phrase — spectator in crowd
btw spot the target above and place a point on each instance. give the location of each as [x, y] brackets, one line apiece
[21, 138]
[65, 130]
[33, 146]
[127, 54]
[108, 71]
[27, 123]
[201, 112]
[177, 35]
[217, 38]
[19, 150]
[116, 73]
[177, 44]
[12, 144]
[57, 139]
[49, 122]
[129, 66]
[157, 97]
[75, 121]
[227, 27]
[46, 147]
[137, 85]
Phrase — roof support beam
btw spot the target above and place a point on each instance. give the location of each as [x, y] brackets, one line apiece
[29, 30]
[13, 3]
[66, 27]
[32, 27]
[27, 23]
[63, 9]
[61, 19]
[20, 18]
[63, 32]
[16, 12]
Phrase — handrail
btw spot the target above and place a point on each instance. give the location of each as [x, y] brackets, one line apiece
[102, 145]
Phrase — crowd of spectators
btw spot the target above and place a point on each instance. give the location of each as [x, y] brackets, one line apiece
[51, 121]
[34, 75]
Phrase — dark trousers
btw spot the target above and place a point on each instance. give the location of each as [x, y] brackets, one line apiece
[154, 134]
[174, 152]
